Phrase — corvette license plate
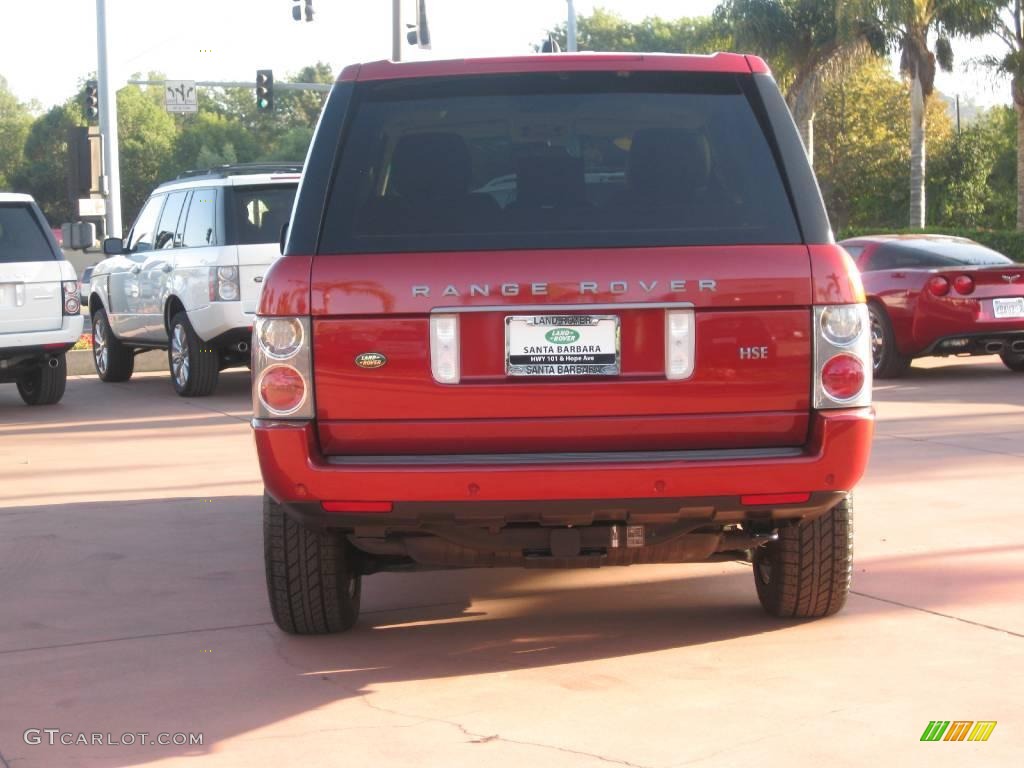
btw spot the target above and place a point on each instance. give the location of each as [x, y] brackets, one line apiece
[562, 345]
[1004, 308]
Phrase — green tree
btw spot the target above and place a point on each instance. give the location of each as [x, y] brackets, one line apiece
[15, 123]
[146, 135]
[44, 171]
[808, 43]
[907, 25]
[863, 127]
[209, 139]
[604, 30]
[971, 179]
[1009, 27]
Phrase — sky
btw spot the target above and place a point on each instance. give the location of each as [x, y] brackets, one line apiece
[49, 46]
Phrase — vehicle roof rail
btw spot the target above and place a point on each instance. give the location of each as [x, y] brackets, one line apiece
[239, 169]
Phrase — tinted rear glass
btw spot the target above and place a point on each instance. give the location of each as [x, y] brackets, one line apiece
[934, 255]
[21, 237]
[563, 160]
[260, 212]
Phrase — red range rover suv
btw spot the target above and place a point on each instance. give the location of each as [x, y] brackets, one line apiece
[558, 311]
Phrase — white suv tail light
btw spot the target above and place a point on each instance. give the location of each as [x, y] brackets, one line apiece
[444, 349]
[71, 302]
[679, 343]
[842, 356]
[282, 374]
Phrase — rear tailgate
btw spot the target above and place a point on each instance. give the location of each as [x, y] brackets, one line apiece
[30, 272]
[750, 386]
[253, 262]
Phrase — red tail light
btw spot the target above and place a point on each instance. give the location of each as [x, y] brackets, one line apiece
[843, 377]
[964, 284]
[938, 286]
[282, 389]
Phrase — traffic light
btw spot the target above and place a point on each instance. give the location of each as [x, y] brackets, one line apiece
[92, 100]
[265, 90]
[420, 33]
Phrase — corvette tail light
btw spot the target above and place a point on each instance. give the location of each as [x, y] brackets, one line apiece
[72, 304]
[679, 344]
[444, 349]
[842, 356]
[938, 286]
[282, 380]
[964, 284]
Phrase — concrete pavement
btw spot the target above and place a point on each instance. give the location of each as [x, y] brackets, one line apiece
[131, 588]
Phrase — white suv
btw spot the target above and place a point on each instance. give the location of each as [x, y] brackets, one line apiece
[188, 276]
[40, 312]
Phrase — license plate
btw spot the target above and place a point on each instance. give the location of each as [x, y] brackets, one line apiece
[562, 345]
[1004, 308]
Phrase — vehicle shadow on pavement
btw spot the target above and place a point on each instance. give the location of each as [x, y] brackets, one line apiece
[954, 381]
[152, 616]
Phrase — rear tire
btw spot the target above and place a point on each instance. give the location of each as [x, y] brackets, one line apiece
[194, 365]
[887, 361]
[806, 573]
[313, 578]
[114, 361]
[1013, 360]
[45, 385]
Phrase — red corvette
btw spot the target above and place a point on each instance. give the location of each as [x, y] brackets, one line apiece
[938, 295]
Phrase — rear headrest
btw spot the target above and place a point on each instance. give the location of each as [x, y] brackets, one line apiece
[667, 163]
[550, 181]
[431, 165]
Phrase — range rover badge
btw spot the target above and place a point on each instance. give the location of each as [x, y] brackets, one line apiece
[371, 360]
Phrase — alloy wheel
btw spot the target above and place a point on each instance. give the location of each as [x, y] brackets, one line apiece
[100, 346]
[877, 340]
[179, 356]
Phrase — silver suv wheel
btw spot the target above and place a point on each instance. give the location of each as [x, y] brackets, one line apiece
[180, 367]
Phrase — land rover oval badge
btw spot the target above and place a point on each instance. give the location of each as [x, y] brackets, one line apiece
[371, 360]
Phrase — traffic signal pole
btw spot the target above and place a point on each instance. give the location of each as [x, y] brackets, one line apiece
[111, 185]
[570, 32]
[396, 30]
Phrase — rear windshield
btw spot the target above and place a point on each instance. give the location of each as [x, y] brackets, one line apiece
[21, 237]
[585, 160]
[935, 255]
[259, 213]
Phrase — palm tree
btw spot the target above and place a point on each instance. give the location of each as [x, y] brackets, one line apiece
[1009, 27]
[808, 42]
[907, 25]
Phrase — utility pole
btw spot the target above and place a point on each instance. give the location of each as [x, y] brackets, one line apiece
[111, 185]
[396, 30]
[570, 32]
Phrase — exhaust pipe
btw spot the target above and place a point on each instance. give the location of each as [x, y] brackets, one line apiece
[994, 347]
[1018, 346]
[53, 362]
[243, 346]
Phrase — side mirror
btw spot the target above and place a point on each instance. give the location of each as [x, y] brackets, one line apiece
[112, 246]
[284, 236]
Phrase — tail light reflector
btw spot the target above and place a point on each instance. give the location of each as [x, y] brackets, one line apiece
[938, 286]
[759, 499]
[282, 376]
[842, 356]
[679, 344]
[444, 348]
[356, 506]
[72, 304]
[842, 377]
[964, 284]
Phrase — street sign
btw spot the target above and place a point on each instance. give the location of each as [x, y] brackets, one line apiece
[91, 206]
[181, 96]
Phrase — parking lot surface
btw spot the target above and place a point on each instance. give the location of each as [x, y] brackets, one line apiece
[133, 600]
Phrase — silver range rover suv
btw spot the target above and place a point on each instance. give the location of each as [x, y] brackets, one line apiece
[187, 278]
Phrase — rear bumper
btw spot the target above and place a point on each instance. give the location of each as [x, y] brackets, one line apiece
[976, 343]
[296, 474]
[17, 344]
